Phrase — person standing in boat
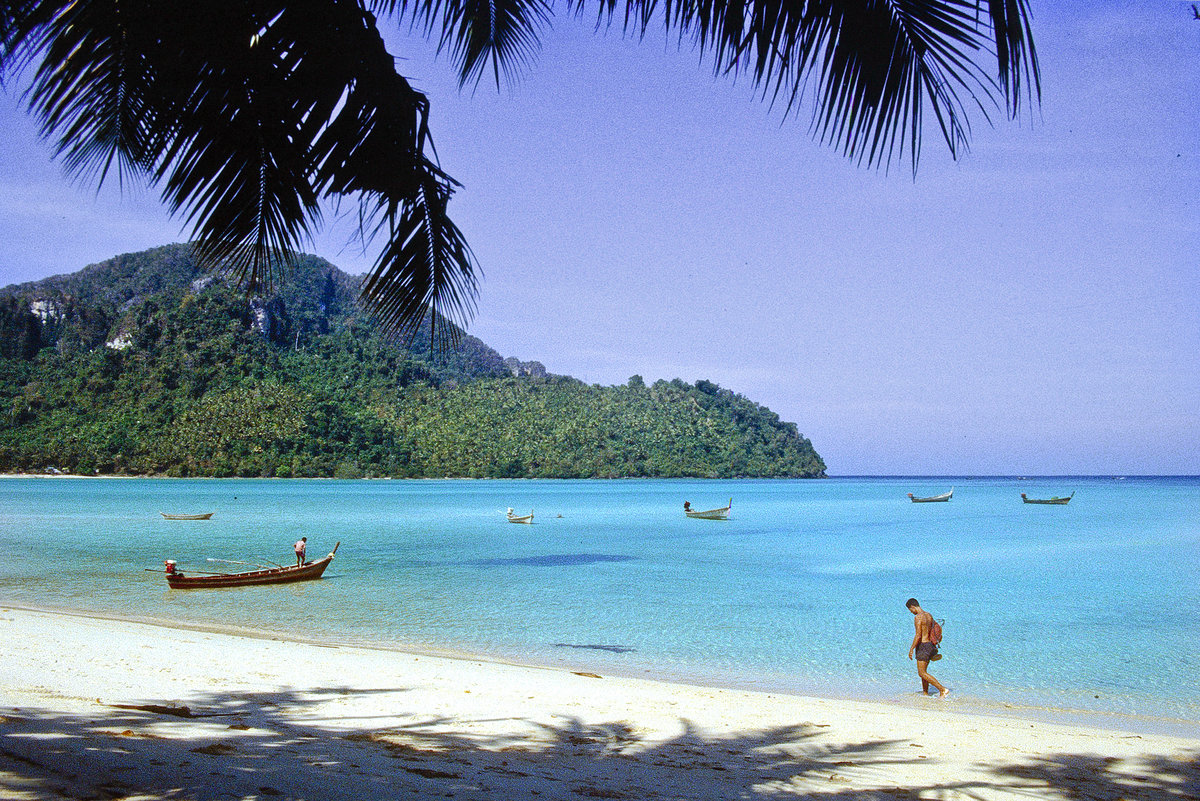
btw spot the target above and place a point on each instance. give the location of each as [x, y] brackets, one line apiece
[923, 646]
[299, 547]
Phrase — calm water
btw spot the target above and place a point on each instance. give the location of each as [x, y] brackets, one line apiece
[1092, 607]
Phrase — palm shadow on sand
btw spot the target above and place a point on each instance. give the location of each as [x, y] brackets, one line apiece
[290, 745]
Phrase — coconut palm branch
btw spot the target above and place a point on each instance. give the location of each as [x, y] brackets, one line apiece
[250, 115]
[871, 67]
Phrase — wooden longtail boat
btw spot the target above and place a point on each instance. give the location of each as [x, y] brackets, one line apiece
[176, 580]
[204, 516]
[515, 518]
[932, 498]
[709, 514]
[1057, 501]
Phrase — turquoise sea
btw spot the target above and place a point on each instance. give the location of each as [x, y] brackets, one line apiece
[1090, 609]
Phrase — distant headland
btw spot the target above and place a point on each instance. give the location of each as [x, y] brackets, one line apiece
[147, 365]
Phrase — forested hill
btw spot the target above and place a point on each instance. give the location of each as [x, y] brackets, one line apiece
[146, 365]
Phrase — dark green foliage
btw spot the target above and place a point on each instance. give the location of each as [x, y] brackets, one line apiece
[20, 330]
[199, 380]
[560, 427]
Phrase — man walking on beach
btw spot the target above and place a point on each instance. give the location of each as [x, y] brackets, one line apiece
[924, 646]
[299, 547]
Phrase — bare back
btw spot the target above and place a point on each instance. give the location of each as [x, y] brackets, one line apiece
[924, 624]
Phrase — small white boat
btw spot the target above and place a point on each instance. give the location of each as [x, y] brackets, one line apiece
[204, 516]
[708, 514]
[932, 498]
[515, 518]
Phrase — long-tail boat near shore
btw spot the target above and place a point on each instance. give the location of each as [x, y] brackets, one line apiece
[1056, 501]
[932, 498]
[710, 514]
[177, 580]
[204, 516]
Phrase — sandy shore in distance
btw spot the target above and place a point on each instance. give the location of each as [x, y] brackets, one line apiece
[97, 708]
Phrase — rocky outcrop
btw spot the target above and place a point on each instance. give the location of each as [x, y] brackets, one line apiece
[48, 310]
[529, 369]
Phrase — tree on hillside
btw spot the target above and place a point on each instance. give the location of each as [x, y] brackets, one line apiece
[247, 115]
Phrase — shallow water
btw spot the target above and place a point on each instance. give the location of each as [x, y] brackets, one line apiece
[1091, 606]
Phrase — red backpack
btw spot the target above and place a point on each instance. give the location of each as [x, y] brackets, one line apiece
[935, 632]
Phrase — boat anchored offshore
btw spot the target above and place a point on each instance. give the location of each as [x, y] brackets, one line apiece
[516, 518]
[932, 498]
[177, 580]
[204, 516]
[1056, 501]
[709, 514]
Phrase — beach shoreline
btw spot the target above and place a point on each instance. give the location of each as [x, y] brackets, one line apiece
[345, 721]
[959, 703]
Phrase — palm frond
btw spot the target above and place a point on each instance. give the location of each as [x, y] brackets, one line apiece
[234, 165]
[375, 147]
[870, 69]
[1015, 52]
[245, 113]
[478, 34]
[426, 268]
[92, 88]
[23, 32]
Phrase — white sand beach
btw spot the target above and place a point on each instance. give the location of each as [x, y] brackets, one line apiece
[100, 708]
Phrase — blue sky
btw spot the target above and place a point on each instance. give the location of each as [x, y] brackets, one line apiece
[1033, 308]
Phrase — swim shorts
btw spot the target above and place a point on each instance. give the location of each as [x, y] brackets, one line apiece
[926, 651]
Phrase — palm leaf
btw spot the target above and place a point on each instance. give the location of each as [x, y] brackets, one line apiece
[426, 267]
[1015, 52]
[500, 34]
[869, 68]
[375, 147]
[235, 166]
[245, 113]
[93, 89]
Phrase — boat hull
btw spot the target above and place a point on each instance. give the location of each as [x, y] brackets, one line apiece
[204, 516]
[274, 575]
[520, 519]
[711, 514]
[1049, 501]
[932, 499]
